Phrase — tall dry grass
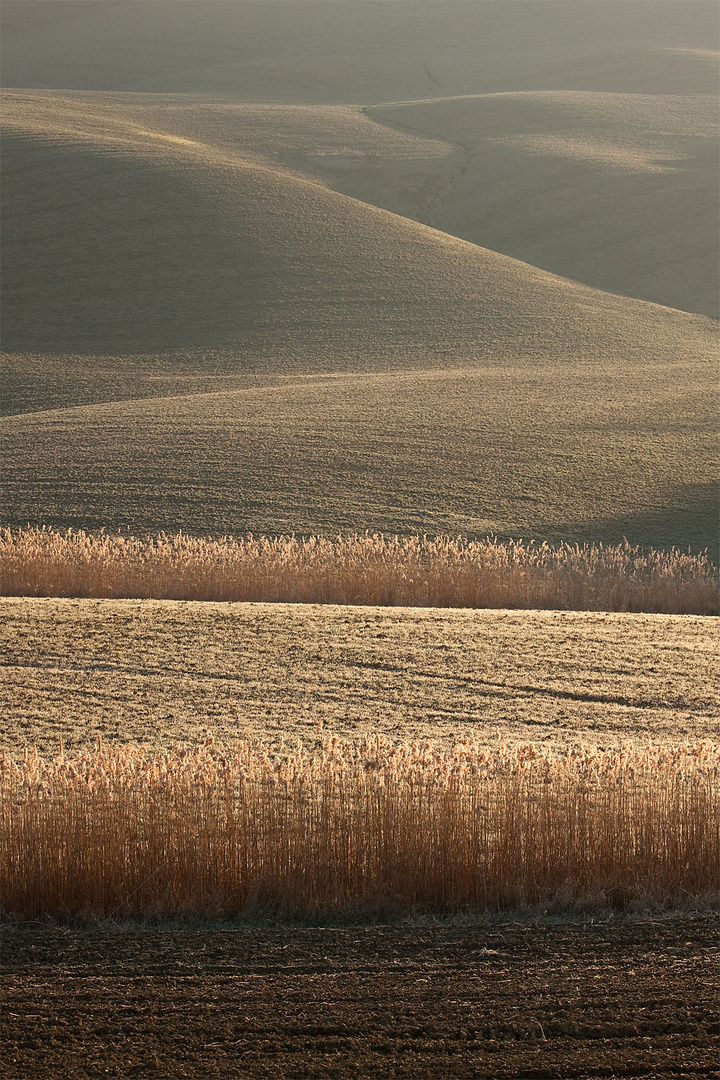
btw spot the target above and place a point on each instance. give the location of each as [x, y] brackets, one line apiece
[369, 826]
[410, 571]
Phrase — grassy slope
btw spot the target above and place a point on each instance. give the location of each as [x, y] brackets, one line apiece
[157, 671]
[179, 245]
[543, 418]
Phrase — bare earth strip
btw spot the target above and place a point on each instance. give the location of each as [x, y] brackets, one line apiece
[501, 1000]
[155, 672]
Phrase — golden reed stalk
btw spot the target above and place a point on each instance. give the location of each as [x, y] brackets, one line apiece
[369, 827]
[406, 571]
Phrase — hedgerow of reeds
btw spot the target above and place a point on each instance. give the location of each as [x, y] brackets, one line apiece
[409, 571]
[369, 826]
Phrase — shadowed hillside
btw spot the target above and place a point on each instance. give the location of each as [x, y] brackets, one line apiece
[256, 268]
[619, 191]
[126, 238]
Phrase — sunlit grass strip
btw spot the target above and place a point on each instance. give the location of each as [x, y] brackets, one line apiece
[407, 571]
[368, 827]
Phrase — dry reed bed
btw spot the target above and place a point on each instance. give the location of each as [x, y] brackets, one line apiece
[407, 571]
[370, 826]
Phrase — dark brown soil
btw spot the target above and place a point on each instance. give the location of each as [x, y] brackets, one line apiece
[534, 999]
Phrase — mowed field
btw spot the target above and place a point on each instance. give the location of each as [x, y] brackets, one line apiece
[161, 672]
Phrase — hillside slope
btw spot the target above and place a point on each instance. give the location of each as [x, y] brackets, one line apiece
[593, 452]
[619, 191]
[125, 238]
[257, 267]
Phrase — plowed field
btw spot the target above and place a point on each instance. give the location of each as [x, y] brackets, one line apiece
[636, 999]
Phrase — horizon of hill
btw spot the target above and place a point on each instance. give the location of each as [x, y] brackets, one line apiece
[321, 268]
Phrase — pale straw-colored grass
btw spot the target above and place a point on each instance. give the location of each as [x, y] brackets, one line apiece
[364, 827]
[409, 571]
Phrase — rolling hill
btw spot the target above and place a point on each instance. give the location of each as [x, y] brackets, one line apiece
[124, 237]
[575, 452]
[307, 266]
[619, 191]
[234, 300]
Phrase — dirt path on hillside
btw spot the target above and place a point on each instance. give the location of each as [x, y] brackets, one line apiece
[635, 999]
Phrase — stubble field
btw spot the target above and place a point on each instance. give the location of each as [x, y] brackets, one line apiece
[155, 672]
[539, 996]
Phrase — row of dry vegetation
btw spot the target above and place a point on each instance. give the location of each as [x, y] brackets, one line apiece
[406, 571]
[369, 826]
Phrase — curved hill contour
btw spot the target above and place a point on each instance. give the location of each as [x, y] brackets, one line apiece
[551, 451]
[121, 238]
[619, 191]
[402, 267]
